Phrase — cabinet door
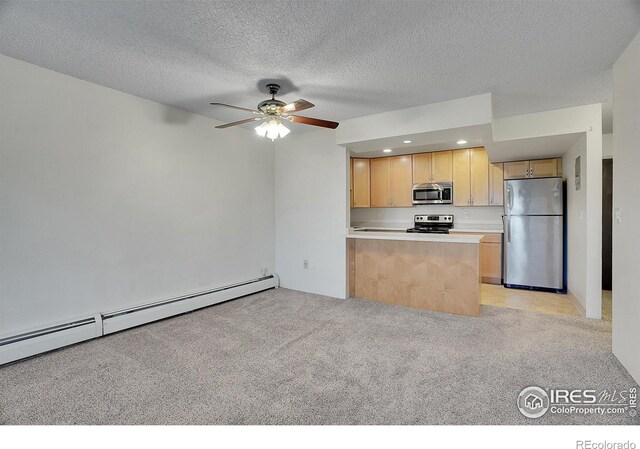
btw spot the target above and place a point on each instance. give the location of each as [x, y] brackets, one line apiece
[421, 168]
[400, 181]
[491, 262]
[360, 182]
[490, 257]
[461, 178]
[380, 182]
[479, 177]
[496, 181]
[350, 182]
[441, 166]
[559, 166]
[543, 168]
[516, 170]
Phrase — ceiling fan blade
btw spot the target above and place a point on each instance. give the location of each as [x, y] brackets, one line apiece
[240, 122]
[255, 111]
[298, 105]
[312, 121]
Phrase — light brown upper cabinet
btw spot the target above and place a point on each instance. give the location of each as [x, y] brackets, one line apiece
[421, 168]
[350, 182]
[470, 177]
[544, 168]
[496, 181]
[432, 167]
[360, 183]
[516, 170]
[380, 182]
[539, 168]
[391, 181]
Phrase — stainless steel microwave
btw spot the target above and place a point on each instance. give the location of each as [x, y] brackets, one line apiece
[432, 193]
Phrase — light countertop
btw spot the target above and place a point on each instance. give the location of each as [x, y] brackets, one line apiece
[413, 237]
[479, 228]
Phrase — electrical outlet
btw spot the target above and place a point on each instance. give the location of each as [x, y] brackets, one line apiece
[305, 264]
[465, 214]
[264, 271]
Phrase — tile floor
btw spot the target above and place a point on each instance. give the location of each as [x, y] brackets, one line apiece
[534, 301]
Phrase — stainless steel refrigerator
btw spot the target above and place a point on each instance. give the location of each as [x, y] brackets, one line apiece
[533, 233]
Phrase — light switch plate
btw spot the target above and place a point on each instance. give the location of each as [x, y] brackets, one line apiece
[618, 215]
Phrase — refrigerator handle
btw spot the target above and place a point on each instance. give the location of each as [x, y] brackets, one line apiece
[507, 231]
[509, 199]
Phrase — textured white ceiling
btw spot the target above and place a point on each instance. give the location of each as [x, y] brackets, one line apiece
[351, 58]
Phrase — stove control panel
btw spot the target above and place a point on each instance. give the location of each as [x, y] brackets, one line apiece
[439, 219]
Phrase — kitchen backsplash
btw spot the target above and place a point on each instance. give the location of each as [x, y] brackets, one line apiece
[403, 216]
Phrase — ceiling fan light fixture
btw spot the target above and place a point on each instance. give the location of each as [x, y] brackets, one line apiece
[261, 129]
[272, 129]
[273, 112]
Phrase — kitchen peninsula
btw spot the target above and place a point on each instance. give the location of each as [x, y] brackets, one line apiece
[438, 272]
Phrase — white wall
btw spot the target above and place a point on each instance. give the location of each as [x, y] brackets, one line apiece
[577, 229]
[403, 216]
[607, 146]
[626, 198]
[109, 201]
[311, 212]
[580, 119]
[459, 113]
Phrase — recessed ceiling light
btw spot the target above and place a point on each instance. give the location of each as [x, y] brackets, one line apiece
[387, 150]
[406, 141]
[461, 142]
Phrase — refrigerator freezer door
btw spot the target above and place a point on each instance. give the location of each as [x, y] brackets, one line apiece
[533, 196]
[533, 251]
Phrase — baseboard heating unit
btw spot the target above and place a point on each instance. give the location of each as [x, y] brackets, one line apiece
[23, 345]
[135, 316]
[27, 344]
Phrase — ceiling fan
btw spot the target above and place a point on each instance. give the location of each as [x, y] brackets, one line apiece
[273, 111]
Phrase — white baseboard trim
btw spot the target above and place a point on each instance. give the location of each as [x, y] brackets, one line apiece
[27, 344]
[577, 304]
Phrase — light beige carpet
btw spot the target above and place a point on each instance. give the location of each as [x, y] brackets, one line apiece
[286, 357]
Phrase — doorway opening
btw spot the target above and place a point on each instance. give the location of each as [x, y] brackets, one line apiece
[607, 238]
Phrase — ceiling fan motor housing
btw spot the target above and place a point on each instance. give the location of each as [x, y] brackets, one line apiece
[270, 107]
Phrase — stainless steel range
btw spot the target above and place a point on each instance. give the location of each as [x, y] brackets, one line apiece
[432, 224]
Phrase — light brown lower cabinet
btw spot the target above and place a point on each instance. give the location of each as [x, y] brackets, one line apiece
[490, 257]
